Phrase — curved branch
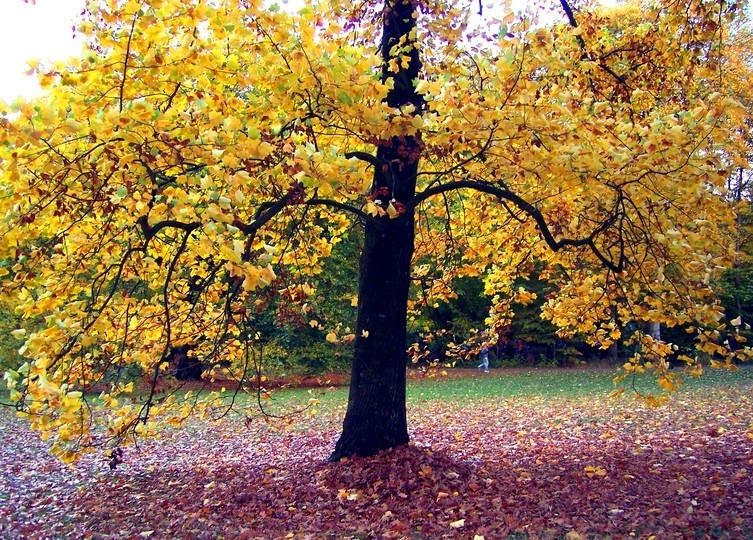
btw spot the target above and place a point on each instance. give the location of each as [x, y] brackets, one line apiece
[151, 230]
[340, 206]
[146, 408]
[68, 346]
[363, 156]
[533, 212]
[264, 214]
[477, 155]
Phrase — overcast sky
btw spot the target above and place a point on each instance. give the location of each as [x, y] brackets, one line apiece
[29, 31]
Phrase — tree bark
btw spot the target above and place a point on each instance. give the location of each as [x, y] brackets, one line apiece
[376, 418]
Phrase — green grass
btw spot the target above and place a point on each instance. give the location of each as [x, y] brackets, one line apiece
[552, 383]
[515, 384]
[500, 384]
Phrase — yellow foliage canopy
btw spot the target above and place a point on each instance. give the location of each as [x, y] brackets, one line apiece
[197, 150]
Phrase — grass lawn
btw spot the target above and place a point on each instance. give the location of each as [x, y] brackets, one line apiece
[510, 454]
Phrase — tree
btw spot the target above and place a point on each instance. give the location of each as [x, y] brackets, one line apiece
[198, 150]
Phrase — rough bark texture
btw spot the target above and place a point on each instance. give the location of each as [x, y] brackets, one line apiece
[376, 416]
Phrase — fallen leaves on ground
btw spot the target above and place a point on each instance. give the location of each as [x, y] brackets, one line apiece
[528, 468]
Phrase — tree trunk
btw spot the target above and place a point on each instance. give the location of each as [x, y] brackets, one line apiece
[376, 416]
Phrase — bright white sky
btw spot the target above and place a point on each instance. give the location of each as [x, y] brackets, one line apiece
[27, 31]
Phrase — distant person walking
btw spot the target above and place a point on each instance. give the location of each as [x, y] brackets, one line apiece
[484, 360]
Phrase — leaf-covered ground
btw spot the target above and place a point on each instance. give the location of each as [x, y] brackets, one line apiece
[525, 466]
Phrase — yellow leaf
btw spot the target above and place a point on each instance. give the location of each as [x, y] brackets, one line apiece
[20, 333]
[230, 254]
[391, 211]
[33, 64]
[372, 209]
[422, 86]
[667, 384]
[457, 524]
[72, 126]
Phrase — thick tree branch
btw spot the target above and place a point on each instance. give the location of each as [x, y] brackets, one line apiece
[363, 156]
[151, 230]
[264, 214]
[571, 19]
[533, 212]
[340, 206]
